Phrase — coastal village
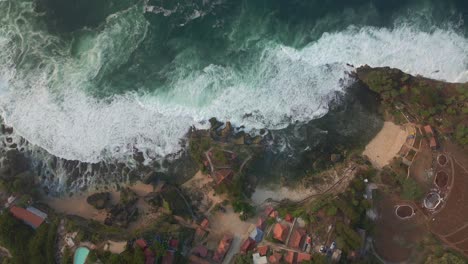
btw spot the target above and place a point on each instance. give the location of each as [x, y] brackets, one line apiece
[399, 199]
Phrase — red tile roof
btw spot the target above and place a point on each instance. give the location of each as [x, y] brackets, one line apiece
[275, 258]
[428, 130]
[433, 142]
[289, 218]
[168, 258]
[247, 245]
[223, 248]
[280, 232]
[174, 243]
[261, 223]
[205, 223]
[197, 260]
[149, 256]
[289, 258]
[200, 233]
[268, 210]
[262, 250]
[274, 214]
[303, 257]
[26, 216]
[141, 243]
[200, 251]
[297, 238]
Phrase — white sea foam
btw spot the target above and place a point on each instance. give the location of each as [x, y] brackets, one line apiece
[286, 85]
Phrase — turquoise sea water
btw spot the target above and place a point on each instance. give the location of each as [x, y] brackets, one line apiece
[88, 80]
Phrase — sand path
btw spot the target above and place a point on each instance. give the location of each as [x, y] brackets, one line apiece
[279, 193]
[386, 144]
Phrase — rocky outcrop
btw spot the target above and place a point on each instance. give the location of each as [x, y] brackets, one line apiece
[121, 215]
[99, 200]
[126, 211]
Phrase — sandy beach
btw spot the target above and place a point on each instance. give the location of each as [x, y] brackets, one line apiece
[77, 205]
[386, 144]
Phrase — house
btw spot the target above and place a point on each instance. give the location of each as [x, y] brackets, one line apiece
[433, 143]
[28, 216]
[168, 258]
[247, 245]
[257, 259]
[275, 258]
[263, 250]
[290, 257]
[428, 130]
[197, 260]
[205, 223]
[297, 238]
[141, 243]
[301, 257]
[261, 223]
[200, 251]
[10, 201]
[174, 244]
[432, 140]
[200, 233]
[269, 210]
[222, 175]
[280, 232]
[149, 256]
[223, 248]
[256, 235]
[289, 218]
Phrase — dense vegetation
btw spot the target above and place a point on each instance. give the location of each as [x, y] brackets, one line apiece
[25, 244]
[443, 105]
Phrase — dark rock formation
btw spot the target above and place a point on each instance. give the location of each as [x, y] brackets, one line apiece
[99, 200]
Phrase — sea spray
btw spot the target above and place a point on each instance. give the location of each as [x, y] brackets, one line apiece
[140, 80]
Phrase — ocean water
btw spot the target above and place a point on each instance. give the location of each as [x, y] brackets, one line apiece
[95, 80]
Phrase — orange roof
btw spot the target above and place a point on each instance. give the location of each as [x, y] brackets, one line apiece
[26, 216]
[248, 245]
[303, 257]
[280, 232]
[275, 258]
[141, 243]
[274, 214]
[223, 248]
[289, 258]
[205, 223]
[433, 142]
[428, 130]
[297, 238]
[262, 250]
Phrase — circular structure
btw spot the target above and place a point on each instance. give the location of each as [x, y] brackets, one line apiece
[432, 200]
[441, 179]
[442, 160]
[404, 211]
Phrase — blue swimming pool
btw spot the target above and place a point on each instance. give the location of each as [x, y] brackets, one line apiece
[81, 254]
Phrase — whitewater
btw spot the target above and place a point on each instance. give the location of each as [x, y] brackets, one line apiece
[45, 83]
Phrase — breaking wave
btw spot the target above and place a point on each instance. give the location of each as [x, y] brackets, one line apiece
[45, 83]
